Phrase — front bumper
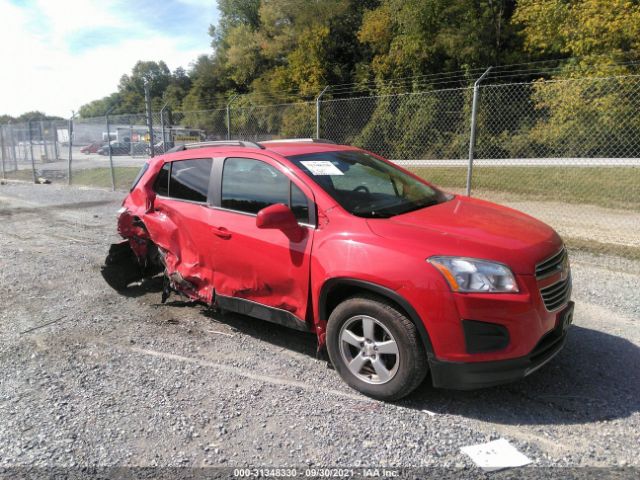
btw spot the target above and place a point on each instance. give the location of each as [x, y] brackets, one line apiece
[469, 376]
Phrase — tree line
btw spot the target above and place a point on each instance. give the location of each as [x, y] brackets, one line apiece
[297, 47]
[286, 50]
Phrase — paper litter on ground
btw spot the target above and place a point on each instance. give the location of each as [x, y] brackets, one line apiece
[496, 455]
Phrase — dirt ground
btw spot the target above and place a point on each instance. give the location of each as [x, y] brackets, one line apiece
[90, 377]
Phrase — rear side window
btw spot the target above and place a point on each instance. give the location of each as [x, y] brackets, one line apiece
[161, 185]
[189, 179]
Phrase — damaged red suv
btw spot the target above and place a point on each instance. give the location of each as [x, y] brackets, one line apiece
[397, 278]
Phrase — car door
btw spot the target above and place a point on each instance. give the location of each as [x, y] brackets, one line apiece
[261, 272]
[180, 219]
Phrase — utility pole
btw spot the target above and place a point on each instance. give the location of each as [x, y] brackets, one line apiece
[147, 101]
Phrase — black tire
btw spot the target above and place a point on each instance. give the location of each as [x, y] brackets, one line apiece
[412, 361]
[121, 267]
[119, 277]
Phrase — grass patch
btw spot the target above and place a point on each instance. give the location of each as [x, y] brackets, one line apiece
[612, 187]
[101, 177]
[20, 175]
[93, 177]
[602, 248]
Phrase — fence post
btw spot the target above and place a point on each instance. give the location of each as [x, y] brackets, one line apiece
[54, 134]
[70, 134]
[2, 155]
[14, 156]
[164, 139]
[43, 142]
[233, 97]
[33, 163]
[131, 152]
[472, 137]
[147, 101]
[318, 111]
[113, 175]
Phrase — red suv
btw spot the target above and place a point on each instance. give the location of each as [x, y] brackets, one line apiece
[395, 277]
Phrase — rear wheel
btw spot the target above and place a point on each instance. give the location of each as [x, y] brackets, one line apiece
[121, 266]
[375, 348]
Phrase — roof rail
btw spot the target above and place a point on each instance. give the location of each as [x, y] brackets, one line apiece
[298, 140]
[216, 143]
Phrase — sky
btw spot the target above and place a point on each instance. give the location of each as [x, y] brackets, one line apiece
[57, 55]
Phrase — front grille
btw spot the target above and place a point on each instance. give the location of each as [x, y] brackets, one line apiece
[551, 265]
[556, 295]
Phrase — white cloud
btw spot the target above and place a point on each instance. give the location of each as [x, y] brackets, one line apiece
[41, 72]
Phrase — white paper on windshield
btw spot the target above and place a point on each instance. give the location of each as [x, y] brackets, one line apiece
[322, 168]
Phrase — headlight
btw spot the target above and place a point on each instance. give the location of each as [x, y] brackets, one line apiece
[472, 275]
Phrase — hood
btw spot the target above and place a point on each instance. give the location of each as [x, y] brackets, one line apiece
[473, 228]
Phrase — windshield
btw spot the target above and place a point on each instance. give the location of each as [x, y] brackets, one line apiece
[366, 186]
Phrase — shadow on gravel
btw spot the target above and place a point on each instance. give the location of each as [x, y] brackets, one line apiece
[294, 340]
[594, 378]
[301, 342]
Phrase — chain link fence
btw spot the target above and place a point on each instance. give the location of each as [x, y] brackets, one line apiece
[565, 151]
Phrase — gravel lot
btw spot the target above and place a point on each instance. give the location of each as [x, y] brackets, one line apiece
[125, 381]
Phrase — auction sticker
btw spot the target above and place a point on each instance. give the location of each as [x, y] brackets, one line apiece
[322, 168]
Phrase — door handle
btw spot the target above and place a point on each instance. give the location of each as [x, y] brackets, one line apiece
[221, 232]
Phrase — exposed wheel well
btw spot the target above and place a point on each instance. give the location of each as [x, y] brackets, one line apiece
[339, 294]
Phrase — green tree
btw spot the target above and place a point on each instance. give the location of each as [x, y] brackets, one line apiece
[599, 32]
[583, 117]
[35, 115]
[178, 89]
[413, 37]
[98, 108]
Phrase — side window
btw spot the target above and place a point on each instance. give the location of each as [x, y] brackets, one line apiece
[299, 204]
[251, 185]
[190, 179]
[161, 185]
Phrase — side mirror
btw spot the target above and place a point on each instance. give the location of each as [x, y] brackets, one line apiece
[280, 217]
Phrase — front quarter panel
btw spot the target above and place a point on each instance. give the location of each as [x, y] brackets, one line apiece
[345, 248]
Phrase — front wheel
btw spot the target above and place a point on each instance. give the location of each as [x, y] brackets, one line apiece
[375, 348]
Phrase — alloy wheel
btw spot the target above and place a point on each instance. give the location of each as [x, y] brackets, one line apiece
[369, 350]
